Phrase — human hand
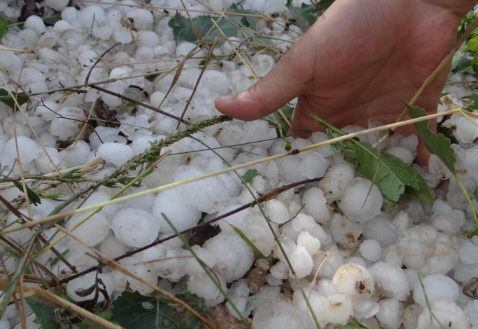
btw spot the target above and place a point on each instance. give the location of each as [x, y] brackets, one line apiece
[362, 59]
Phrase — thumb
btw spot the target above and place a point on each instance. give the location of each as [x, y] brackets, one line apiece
[278, 87]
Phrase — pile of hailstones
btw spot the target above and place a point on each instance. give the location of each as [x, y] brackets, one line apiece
[352, 255]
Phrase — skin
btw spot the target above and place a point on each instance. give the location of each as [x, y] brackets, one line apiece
[361, 60]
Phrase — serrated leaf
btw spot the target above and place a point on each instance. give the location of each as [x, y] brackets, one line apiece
[43, 312]
[249, 176]
[390, 174]
[304, 16]
[32, 196]
[248, 242]
[7, 99]
[3, 27]
[134, 311]
[183, 29]
[435, 143]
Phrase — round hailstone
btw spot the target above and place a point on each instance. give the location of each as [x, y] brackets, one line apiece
[35, 23]
[316, 205]
[281, 315]
[301, 262]
[215, 81]
[111, 247]
[354, 281]
[371, 250]
[391, 280]
[381, 229]
[91, 14]
[173, 205]
[57, 5]
[313, 165]
[9, 61]
[345, 232]
[471, 310]
[448, 314]
[336, 180]
[337, 309]
[437, 287]
[141, 18]
[204, 287]
[193, 267]
[67, 123]
[390, 313]
[135, 227]
[311, 244]
[234, 256]
[28, 150]
[468, 253]
[365, 308]
[277, 211]
[361, 201]
[402, 153]
[205, 195]
[76, 286]
[93, 231]
[237, 219]
[115, 153]
[76, 154]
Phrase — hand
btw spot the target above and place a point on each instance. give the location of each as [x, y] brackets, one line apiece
[362, 59]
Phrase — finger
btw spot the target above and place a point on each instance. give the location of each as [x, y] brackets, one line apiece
[279, 86]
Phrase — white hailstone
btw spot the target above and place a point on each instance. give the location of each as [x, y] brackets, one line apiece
[46, 110]
[468, 253]
[87, 57]
[315, 300]
[67, 124]
[49, 56]
[410, 316]
[204, 287]
[316, 205]
[365, 308]
[57, 5]
[464, 273]
[148, 38]
[205, 195]
[238, 219]
[361, 201]
[101, 196]
[28, 150]
[263, 64]
[115, 153]
[174, 206]
[9, 61]
[464, 129]
[303, 222]
[401, 153]
[259, 234]
[371, 250]
[76, 154]
[380, 229]
[449, 223]
[61, 25]
[437, 287]
[326, 263]
[310, 243]
[281, 315]
[157, 97]
[391, 280]
[91, 15]
[277, 211]
[184, 48]
[356, 260]
[92, 231]
[336, 180]
[471, 310]
[337, 309]
[313, 165]
[354, 281]
[390, 314]
[35, 23]
[144, 54]
[193, 267]
[301, 262]
[111, 247]
[49, 160]
[142, 19]
[447, 315]
[216, 82]
[172, 264]
[234, 256]
[441, 207]
[280, 271]
[122, 35]
[85, 282]
[345, 232]
[135, 227]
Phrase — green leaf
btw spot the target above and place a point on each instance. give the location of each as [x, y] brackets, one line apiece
[9, 100]
[475, 193]
[3, 27]
[304, 16]
[323, 5]
[43, 312]
[391, 175]
[474, 103]
[354, 324]
[134, 311]
[102, 313]
[32, 196]
[183, 30]
[249, 242]
[435, 143]
[57, 259]
[249, 175]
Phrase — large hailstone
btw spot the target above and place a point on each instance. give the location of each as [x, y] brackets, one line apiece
[361, 201]
[437, 287]
[391, 280]
[28, 150]
[234, 256]
[354, 281]
[281, 315]
[68, 122]
[135, 227]
[448, 314]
